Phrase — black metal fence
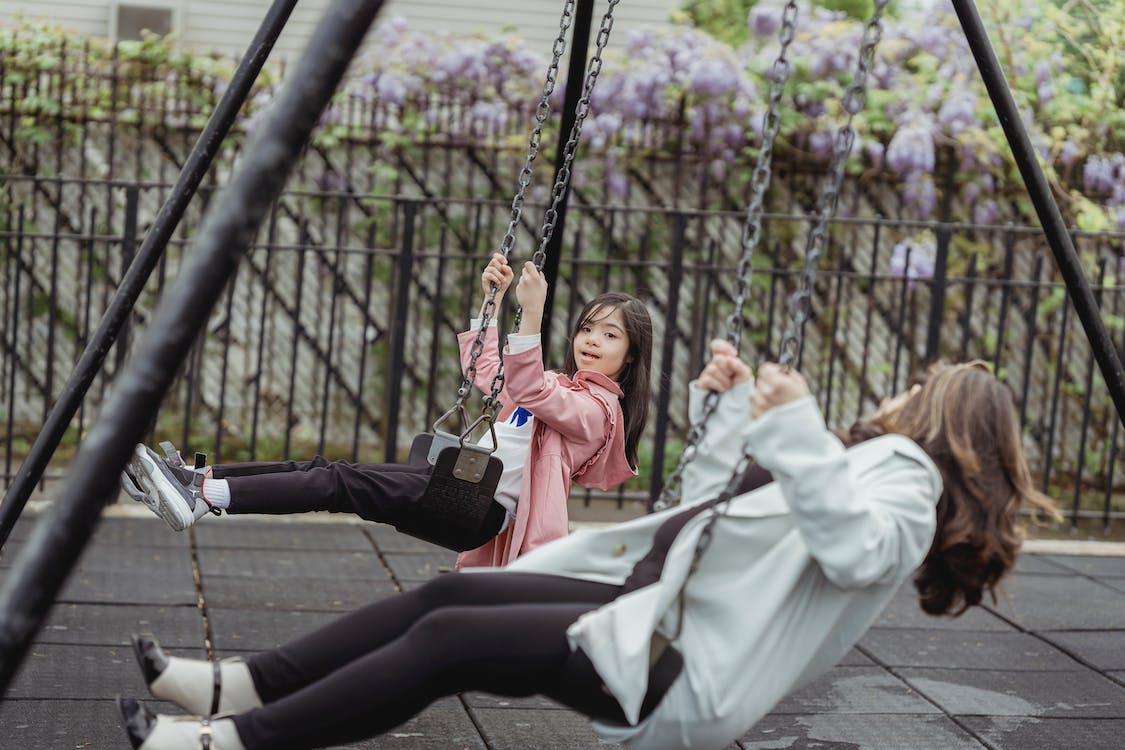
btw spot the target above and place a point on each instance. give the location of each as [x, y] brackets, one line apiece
[338, 334]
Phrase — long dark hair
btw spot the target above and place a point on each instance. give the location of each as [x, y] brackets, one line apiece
[965, 420]
[634, 379]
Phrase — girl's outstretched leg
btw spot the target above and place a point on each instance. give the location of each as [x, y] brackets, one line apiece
[288, 668]
[282, 671]
[386, 493]
[511, 649]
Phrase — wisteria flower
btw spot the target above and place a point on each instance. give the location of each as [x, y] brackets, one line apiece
[912, 149]
[914, 259]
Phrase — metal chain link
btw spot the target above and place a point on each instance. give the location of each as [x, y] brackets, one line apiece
[855, 98]
[751, 234]
[854, 101]
[542, 112]
[562, 179]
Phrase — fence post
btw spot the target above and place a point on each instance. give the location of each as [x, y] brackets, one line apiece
[667, 355]
[128, 251]
[12, 340]
[398, 329]
[937, 295]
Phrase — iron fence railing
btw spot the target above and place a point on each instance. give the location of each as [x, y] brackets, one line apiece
[337, 334]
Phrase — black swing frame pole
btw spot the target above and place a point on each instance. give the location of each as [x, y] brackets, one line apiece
[224, 237]
[198, 162]
[575, 79]
[1078, 288]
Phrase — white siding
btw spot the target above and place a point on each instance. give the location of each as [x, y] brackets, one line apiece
[227, 26]
[87, 17]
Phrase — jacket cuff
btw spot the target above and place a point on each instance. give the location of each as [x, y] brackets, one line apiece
[735, 401]
[518, 343]
[793, 429]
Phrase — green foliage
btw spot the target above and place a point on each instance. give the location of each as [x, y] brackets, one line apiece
[723, 19]
[1054, 300]
[1064, 59]
[858, 9]
[726, 19]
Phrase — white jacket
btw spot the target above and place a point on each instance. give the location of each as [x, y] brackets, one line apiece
[792, 579]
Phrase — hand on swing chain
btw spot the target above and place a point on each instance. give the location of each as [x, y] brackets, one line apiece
[531, 289]
[725, 369]
[497, 273]
[776, 385]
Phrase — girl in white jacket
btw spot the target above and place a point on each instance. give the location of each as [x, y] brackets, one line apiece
[796, 571]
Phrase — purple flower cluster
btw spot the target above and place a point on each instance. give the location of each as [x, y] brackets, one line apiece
[913, 259]
[1104, 177]
[492, 84]
[911, 149]
[679, 90]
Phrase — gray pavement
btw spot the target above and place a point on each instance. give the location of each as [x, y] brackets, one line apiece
[1044, 668]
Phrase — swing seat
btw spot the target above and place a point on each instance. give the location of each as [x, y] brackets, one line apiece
[458, 510]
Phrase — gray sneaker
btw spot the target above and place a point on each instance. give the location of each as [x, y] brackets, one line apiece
[173, 492]
[131, 475]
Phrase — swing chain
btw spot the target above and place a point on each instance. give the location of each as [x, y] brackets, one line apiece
[751, 234]
[582, 110]
[855, 98]
[542, 112]
[854, 102]
[760, 179]
[562, 180]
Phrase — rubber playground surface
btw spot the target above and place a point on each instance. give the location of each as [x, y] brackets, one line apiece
[1044, 668]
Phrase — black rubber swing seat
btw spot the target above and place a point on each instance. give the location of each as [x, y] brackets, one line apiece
[458, 510]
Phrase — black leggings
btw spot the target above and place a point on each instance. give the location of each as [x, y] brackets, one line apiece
[376, 492]
[375, 668]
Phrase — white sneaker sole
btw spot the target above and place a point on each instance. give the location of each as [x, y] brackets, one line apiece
[131, 485]
[160, 495]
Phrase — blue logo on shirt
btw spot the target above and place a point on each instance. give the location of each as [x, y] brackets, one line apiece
[519, 417]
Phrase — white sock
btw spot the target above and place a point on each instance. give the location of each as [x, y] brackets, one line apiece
[182, 733]
[217, 492]
[189, 684]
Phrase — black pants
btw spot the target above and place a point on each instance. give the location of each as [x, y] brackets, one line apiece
[376, 492]
[375, 668]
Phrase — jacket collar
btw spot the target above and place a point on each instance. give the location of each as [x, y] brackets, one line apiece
[594, 378]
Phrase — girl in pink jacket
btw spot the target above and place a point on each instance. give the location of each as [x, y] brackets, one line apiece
[582, 424]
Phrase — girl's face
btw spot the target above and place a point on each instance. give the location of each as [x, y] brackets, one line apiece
[601, 343]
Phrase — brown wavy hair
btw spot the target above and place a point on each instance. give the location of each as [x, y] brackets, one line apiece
[635, 379]
[965, 420]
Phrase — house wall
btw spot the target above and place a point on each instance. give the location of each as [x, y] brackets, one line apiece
[227, 26]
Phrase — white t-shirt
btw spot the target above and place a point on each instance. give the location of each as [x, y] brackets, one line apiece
[513, 436]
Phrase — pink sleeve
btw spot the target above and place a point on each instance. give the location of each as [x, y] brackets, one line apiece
[572, 411]
[487, 362]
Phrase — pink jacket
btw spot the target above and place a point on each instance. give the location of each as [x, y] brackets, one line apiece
[579, 434]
